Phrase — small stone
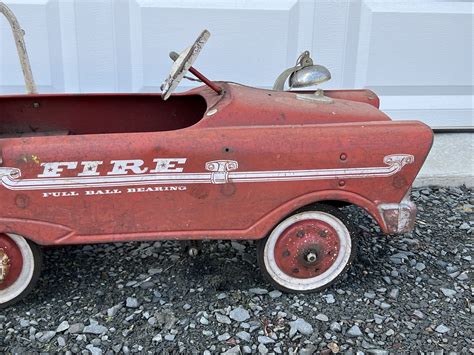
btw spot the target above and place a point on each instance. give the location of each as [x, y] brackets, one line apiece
[155, 271]
[95, 329]
[354, 331]
[46, 336]
[93, 349]
[329, 298]
[454, 274]
[62, 327]
[24, 323]
[377, 352]
[389, 332]
[61, 342]
[223, 337]
[237, 246]
[112, 311]
[221, 318]
[258, 291]
[300, 326]
[265, 340]
[418, 314]
[463, 276]
[333, 347]
[385, 305]
[465, 226]
[448, 292]
[239, 314]
[204, 321]
[394, 292]
[378, 319]
[247, 349]
[131, 302]
[207, 333]
[262, 349]
[170, 337]
[369, 294]
[322, 317]
[243, 336]
[76, 328]
[187, 307]
[420, 266]
[232, 351]
[335, 327]
[442, 329]
[147, 285]
[274, 294]
[157, 338]
[451, 269]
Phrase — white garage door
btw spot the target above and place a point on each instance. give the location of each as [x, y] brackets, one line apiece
[417, 55]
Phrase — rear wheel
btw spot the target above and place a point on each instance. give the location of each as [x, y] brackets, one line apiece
[20, 267]
[308, 251]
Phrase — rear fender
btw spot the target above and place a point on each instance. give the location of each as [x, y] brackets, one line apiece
[328, 195]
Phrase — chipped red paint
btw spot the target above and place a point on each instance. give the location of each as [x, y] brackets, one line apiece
[15, 260]
[261, 130]
[302, 241]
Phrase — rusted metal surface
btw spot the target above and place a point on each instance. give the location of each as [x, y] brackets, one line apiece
[307, 249]
[182, 64]
[18, 34]
[191, 175]
[11, 261]
[4, 265]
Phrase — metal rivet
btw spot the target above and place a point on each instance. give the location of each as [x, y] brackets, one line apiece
[286, 253]
[300, 234]
[36, 104]
[296, 270]
[343, 156]
[342, 183]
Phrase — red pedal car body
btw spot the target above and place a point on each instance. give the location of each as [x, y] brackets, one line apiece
[222, 161]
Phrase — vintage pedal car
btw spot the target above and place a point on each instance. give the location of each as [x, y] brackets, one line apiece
[222, 161]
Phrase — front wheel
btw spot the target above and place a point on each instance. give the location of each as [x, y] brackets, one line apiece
[307, 251]
[20, 267]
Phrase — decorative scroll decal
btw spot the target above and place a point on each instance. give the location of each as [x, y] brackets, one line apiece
[218, 172]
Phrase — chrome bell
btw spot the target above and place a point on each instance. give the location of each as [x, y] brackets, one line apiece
[303, 74]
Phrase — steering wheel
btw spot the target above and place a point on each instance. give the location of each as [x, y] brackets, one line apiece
[182, 64]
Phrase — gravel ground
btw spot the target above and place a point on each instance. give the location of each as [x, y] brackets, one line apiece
[407, 292]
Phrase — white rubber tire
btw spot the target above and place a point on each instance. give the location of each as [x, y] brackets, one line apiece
[285, 282]
[32, 259]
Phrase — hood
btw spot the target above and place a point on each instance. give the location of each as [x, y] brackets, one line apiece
[243, 105]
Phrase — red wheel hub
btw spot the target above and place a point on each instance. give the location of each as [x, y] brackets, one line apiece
[11, 261]
[307, 248]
